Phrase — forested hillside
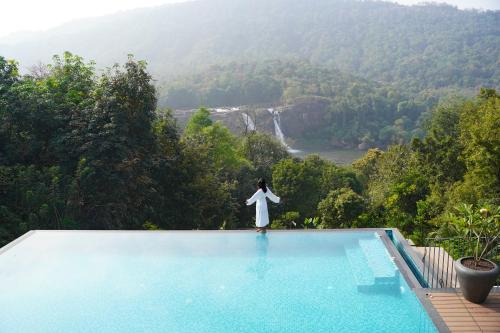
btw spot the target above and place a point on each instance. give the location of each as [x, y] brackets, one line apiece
[417, 47]
[82, 150]
[345, 111]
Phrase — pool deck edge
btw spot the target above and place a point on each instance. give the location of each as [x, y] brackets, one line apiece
[422, 295]
[16, 241]
[412, 281]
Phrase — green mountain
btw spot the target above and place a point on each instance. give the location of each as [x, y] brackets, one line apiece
[417, 47]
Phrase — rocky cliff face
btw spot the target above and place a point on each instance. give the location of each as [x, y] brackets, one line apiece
[300, 121]
[304, 118]
[233, 118]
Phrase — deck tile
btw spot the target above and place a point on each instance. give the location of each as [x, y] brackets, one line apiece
[462, 316]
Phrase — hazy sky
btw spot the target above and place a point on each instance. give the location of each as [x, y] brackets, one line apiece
[29, 15]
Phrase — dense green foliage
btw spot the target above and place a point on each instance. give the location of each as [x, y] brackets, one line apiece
[340, 209]
[417, 186]
[82, 151]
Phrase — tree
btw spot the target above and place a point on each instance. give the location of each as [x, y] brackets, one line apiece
[263, 151]
[366, 166]
[169, 204]
[113, 183]
[298, 183]
[304, 183]
[197, 122]
[340, 209]
[288, 220]
[9, 75]
[223, 146]
[216, 166]
[480, 137]
[393, 165]
[334, 177]
[439, 152]
[402, 201]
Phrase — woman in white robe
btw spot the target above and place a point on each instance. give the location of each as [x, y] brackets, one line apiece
[261, 214]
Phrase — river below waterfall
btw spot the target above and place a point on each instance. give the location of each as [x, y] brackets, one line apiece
[343, 157]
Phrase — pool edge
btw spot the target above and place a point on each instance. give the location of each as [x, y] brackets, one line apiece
[436, 318]
[16, 241]
[411, 280]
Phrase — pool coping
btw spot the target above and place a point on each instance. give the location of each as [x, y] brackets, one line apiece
[408, 248]
[16, 241]
[436, 318]
[410, 278]
[420, 292]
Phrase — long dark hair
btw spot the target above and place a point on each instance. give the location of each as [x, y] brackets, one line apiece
[262, 185]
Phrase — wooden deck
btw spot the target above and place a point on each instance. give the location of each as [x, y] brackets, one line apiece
[463, 316]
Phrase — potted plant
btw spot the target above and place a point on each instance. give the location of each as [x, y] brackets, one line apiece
[481, 230]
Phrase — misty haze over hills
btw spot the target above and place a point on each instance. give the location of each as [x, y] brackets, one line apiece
[462, 4]
[417, 46]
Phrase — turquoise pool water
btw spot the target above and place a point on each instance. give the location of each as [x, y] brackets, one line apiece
[194, 282]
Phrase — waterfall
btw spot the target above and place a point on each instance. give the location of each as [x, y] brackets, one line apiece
[277, 129]
[279, 133]
[250, 125]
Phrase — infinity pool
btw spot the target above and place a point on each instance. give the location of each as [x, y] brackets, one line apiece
[194, 282]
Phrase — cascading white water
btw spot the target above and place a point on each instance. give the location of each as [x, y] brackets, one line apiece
[279, 133]
[277, 129]
[250, 125]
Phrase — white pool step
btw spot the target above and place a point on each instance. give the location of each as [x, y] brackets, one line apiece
[359, 266]
[370, 265]
[377, 258]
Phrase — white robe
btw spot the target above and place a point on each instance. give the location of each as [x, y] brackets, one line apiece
[261, 215]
